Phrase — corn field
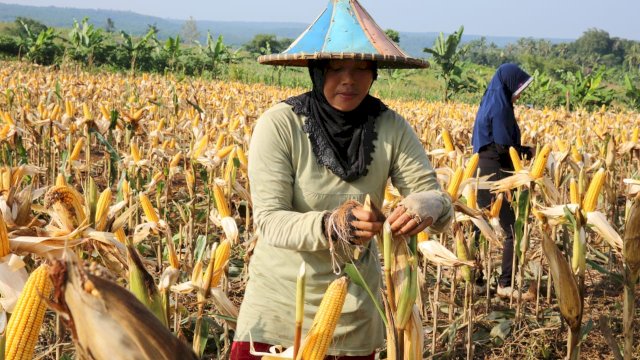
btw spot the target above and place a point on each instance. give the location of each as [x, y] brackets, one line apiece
[131, 194]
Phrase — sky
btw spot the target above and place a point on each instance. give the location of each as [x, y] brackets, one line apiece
[562, 19]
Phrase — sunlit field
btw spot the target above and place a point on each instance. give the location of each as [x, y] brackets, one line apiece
[116, 186]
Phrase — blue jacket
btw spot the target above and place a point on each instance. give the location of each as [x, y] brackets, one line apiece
[495, 120]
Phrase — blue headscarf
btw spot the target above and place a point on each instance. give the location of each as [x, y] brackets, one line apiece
[495, 120]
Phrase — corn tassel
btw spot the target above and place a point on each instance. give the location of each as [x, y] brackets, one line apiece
[25, 322]
[324, 323]
[591, 197]
[540, 162]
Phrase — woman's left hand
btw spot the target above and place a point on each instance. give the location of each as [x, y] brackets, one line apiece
[402, 223]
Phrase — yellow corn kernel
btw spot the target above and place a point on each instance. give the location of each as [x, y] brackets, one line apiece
[221, 201]
[102, 209]
[448, 143]
[472, 198]
[221, 258]
[456, 179]
[120, 235]
[495, 207]
[200, 147]
[591, 197]
[5, 249]
[148, 209]
[75, 154]
[135, 152]
[515, 159]
[472, 166]
[25, 322]
[86, 112]
[423, 236]
[575, 154]
[574, 196]
[242, 157]
[222, 153]
[324, 323]
[68, 108]
[540, 161]
[175, 161]
[219, 142]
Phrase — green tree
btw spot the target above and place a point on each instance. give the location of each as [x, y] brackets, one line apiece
[21, 24]
[189, 31]
[85, 40]
[447, 56]
[137, 49]
[38, 47]
[266, 44]
[393, 35]
[110, 26]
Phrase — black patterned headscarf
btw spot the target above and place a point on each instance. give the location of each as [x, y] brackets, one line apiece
[341, 141]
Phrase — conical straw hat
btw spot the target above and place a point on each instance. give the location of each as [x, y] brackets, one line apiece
[344, 30]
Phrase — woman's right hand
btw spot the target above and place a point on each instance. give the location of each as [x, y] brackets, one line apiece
[366, 224]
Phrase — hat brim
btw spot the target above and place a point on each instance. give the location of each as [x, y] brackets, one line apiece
[383, 61]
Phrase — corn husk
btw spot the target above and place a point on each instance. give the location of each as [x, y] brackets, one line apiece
[107, 322]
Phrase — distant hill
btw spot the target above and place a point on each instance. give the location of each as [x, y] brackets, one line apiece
[235, 33]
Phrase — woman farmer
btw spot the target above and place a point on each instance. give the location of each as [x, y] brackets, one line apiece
[494, 131]
[310, 154]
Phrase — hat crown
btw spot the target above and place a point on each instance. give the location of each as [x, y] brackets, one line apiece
[344, 30]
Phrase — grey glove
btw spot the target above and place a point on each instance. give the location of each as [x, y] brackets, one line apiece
[429, 204]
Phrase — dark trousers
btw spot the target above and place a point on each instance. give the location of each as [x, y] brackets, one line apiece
[240, 351]
[490, 165]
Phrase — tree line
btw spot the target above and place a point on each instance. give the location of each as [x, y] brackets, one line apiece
[593, 71]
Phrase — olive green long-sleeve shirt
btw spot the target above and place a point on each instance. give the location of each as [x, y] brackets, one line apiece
[291, 192]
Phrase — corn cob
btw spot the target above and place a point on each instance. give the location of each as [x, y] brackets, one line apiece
[102, 209]
[222, 153]
[26, 320]
[591, 197]
[448, 143]
[324, 323]
[86, 112]
[75, 154]
[574, 196]
[148, 209]
[5, 249]
[66, 203]
[221, 201]
[575, 154]
[540, 162]
[456, 179]
[515, 159]
[495, 207]
[135, 152]
[472, 166]
[200, 147]
[634, 136]
[221, 258]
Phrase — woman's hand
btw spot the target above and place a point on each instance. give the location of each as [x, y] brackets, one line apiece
[402, 223]
[366, 224]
